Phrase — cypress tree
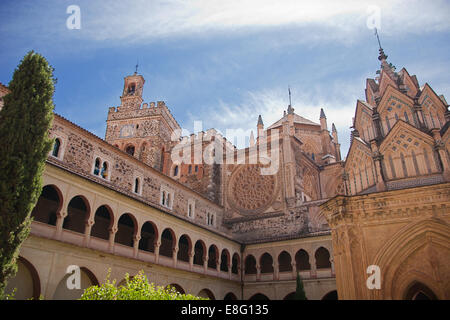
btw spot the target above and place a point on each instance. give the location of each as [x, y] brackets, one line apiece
[25, 121]
[299, 291]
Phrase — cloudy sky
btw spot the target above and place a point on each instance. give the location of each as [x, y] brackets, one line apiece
[225, 62]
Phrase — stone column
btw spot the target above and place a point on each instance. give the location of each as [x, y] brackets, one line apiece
[205, 263]
[377, 158]
[313, 271]
[191, 260]
[112, 235]
[439, 147]
[294, 270]
[258, 272]
[59, 224]
[276, 270]
[175, 256]
[157, 246]
[87, 232]
[136, 239]
[333, 273]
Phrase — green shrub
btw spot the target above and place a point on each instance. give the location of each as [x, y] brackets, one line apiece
[135, 288]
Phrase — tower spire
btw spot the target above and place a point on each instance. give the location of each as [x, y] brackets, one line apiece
[137, 65]
[382, 56]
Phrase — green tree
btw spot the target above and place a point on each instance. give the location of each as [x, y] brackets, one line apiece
[135, 288]
[299, 291]
[25, 120]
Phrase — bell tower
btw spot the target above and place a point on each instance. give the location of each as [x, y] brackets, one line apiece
[131, 98]
[142, 130]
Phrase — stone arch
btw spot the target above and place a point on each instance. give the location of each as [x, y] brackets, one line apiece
[213, 256]
[284, 261]
[250, 264]
[26, 281]
[399, 259]
[266, 263]
[103, 222]
[322, 256]
[259, 296]
[290, 296]
[230, 296]
[126, 230]
[184, 248]
[48, 206]
[149, 236]
[63, 293]
[130, 149]
[168, 242]
[302, 260]
[78, 211]
[199, 252]
[177, 288]
[224, 260]
[206, 293]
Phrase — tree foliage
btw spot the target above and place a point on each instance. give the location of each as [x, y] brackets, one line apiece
[25, 121]
[135, 288]
[300, 291]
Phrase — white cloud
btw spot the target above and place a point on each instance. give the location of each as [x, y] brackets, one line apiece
[339, 106]
[140, 20]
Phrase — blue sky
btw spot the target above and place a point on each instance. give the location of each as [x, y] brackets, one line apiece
[225, 62]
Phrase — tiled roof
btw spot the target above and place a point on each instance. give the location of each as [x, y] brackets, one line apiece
[297, 119]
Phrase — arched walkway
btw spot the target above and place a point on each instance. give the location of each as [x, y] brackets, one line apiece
[230, 296]
[206, 293]
[332, 295]
[62, 291]
[259, 296]
[126, 229]
[48, 205]
[167, 243]
[26, 281]
[103, 222]
[250, 265]
[149, 235]
[77, 214]
[184, 248]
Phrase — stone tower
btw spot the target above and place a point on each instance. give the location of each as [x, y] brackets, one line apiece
[142, 130]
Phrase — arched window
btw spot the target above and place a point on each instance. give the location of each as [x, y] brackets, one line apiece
[212, 257]
[130, 150]
[322, 258]
[167, 243]
[136, 186]
[77, 214]
[168, 200]
[175, 171]
[284, 262]
[97, 166]
[149, 235]
[47, 206]
[224, 260]
[302, 260]
[102, 223]
[184, 248]
[131, 89]
[56, 147]
[266, 263]
[126, 230]
[199, 252]
[406, 117]
[190, 169]
[104, 172]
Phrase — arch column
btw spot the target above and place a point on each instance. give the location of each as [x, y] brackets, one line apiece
[229, 265]
[112, 235]
[87, 233]
[157, 246]
[276, 269]
[294, 269]
[59, 224]
[191, 260]
[312, 263]
[175, 255]
[333, 273]
[136, 239]
[205, 263]
[258, 272]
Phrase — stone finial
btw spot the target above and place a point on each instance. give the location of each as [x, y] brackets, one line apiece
[333, 127]
[260, 122]
[322, 113]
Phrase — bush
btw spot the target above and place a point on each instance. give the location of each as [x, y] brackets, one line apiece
[136, 288]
